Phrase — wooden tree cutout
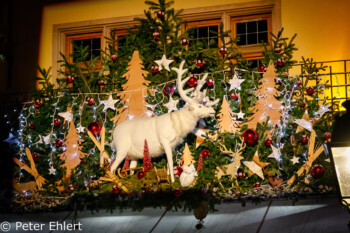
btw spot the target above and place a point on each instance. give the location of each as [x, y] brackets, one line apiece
[32, 170]
[267, 105]
[135, 90]
[101, 146]
[187, 158]
[73, 154]
[225, 123]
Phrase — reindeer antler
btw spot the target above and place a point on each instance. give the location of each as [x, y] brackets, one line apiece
[180, 83]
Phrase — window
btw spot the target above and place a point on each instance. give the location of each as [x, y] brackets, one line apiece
[206, 32]
[93, 40]
[252, 31]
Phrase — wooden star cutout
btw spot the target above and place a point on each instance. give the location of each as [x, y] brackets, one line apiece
[52, 170]
[255, 166]
[240, 115]
[235, 82]
[171, 105]
[81, 129]
[109, 103]
[295, 160]
[276, 153]
[68, 116]
[165, 62]
[305, 122]
[46, 139]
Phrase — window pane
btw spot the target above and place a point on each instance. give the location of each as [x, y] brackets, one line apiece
[213, 31]
[95, 53]
[86, 43]
[262, 37]
[242, 40]
[214, 43]
[252, 38]
[121, 41]
[203, 32]
[96, 43]
[241, 28]
[254, 63]
[262, 25]
[252, 27]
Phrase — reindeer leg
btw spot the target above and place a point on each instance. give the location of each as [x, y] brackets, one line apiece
[121, 155]
[133, 164]
[169, 156]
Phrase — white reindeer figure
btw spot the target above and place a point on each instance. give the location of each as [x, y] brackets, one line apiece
[164, 132]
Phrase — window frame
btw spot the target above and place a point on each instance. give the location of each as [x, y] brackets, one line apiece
[252, 51]
[205, 23]
[215, 12]
[84, 36]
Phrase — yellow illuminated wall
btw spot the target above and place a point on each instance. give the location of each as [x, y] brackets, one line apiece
[323, 26]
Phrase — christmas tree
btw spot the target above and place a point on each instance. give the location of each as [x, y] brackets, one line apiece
[72, 154]
[135, 90]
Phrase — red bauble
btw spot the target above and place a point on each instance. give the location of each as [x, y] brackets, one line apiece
[71, 187]
[257, 185]
[327, 136]
[155, 35]
[240, 174]
[177, 171]
[200, 62]
[160, 14]
[90, 101]
[168, 89]
[299, 83]
[58, 143]
[277, 50]
[304, 140]
[302, 105]
[177, 192]
[32, 126]
[250, 136]
[57, 122]
[154, 69]
[116, 189]
[317, 171]
[141, 174]
[268, 142]
[192, 82]
[35, 155]
[95, 128]
[114, 57]
[280, 62]
[223, 50]
[38, 104]
[210, 83]
[234, 96]
[101, 82]
[205, 153]
[184, 41]
[310, 91]
[262, 68]
[69, 79]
